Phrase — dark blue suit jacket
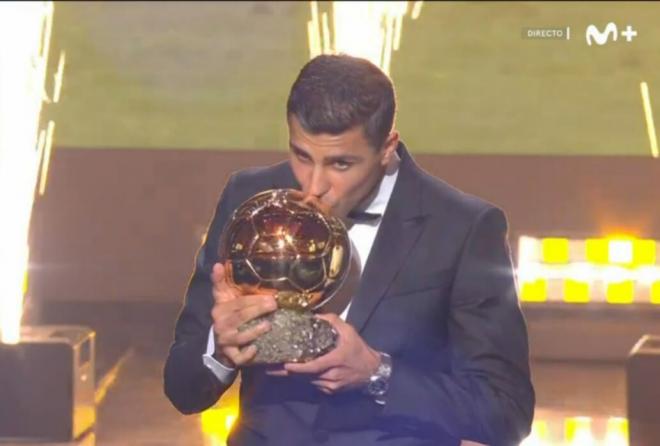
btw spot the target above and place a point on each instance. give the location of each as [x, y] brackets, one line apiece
[437, 293]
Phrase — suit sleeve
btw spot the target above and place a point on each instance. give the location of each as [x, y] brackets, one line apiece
[188, 383]
[487, 396]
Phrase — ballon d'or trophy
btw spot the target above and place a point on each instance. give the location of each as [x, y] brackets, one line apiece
[280, 243]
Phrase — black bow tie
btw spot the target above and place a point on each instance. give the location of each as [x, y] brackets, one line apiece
[363, 217]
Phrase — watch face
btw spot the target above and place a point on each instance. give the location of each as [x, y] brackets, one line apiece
[378, 387]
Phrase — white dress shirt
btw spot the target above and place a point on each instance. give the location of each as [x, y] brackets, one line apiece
[362, 237]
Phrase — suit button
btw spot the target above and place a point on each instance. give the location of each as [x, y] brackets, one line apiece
[321, 435]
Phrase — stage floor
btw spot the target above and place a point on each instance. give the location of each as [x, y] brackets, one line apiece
[133, 411]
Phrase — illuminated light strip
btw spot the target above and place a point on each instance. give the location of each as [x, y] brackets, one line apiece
[648, 115]
[59, 76]
[47, 151]
[371, 30]
[616, 270]
[578, 431]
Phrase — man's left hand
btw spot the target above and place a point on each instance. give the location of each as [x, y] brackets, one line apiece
[349, 365]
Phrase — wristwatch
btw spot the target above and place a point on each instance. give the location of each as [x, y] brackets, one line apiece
[379, 382]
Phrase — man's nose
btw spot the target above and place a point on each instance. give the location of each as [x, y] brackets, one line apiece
[318, 184]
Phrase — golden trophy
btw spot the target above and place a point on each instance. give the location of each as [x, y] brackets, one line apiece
[278, 242]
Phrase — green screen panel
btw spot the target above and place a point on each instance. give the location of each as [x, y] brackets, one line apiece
[216, 76]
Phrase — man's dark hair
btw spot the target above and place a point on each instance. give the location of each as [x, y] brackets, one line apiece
[334, 93]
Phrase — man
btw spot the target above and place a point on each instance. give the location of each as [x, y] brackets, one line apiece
[432, 345]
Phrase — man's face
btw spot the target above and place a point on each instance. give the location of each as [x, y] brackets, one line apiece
[339, 170]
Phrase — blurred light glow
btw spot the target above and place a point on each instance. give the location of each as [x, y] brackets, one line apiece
[617, 432]
[620, 251]
[217, 423]
[578, 431]
[540, 435]
[25, 30]
[371, 30]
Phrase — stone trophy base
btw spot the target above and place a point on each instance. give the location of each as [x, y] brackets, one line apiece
[295, 336]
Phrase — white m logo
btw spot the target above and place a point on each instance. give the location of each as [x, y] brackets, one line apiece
[601, 38]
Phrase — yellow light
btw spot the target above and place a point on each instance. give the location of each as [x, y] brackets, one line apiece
[655, 292]
[539, 436]
[229, 421]
[597, 251]
[617, 432]
[534, 291]
[644, 252]
[576, 291]
[555, 250]
[621, 292]
[578, 431]
[217, 422]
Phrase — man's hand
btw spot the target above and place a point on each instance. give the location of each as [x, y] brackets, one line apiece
[232, 310]
[346, 367]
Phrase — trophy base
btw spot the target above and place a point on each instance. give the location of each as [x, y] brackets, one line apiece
[295, 336]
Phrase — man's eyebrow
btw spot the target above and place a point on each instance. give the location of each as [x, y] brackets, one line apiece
[298, 150]
[329, 159]
[343, 158]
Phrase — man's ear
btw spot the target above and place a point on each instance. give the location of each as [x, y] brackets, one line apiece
[389, 147]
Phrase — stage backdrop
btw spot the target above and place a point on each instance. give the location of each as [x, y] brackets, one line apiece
[161, 101]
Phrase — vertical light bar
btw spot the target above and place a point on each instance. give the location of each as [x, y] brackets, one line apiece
[25, 29]
[648, 116]
[655, 292]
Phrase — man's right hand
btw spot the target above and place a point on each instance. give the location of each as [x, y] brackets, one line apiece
[230, 311]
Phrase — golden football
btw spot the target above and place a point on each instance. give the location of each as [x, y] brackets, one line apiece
[281, 243]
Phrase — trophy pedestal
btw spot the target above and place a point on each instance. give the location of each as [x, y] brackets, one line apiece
[47, 384]
[295, 336]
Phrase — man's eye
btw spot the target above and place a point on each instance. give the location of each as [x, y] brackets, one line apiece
[302, 157]
[341, 165]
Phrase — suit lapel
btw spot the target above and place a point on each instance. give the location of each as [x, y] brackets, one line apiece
[400, 228]
[287, 180]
